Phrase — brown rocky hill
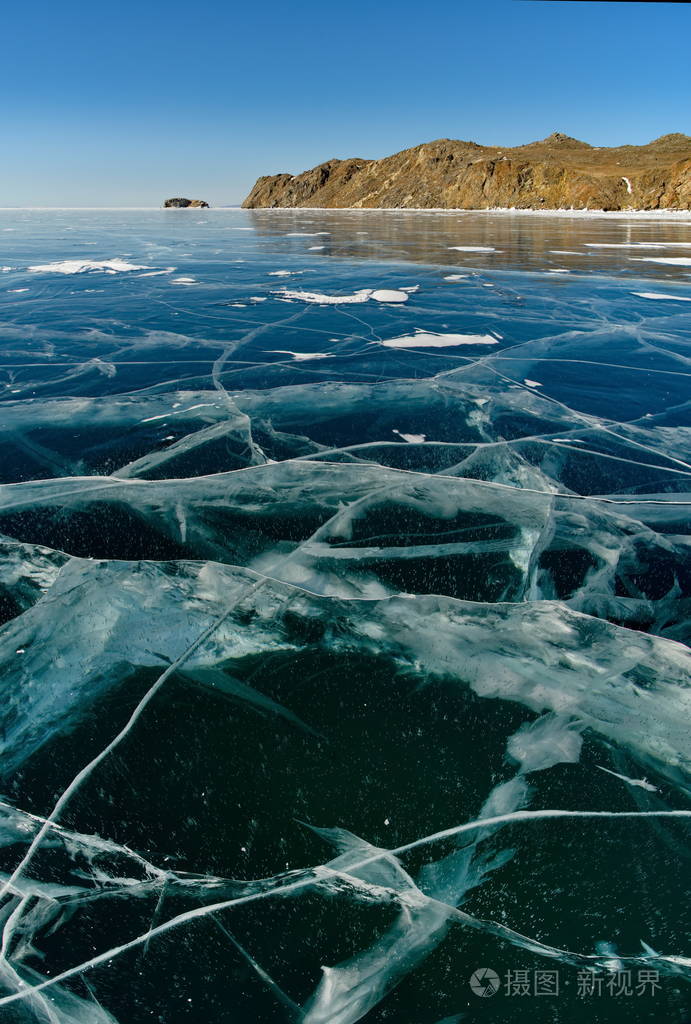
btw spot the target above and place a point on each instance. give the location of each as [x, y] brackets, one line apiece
[556, 173]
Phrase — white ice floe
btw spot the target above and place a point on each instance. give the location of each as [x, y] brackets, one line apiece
[474, 248]
[362, 295]
[558, 270]
[316, 248]
[662, 295]
[411, 438]
[283, 273]
[184, 280]
[17, 290]
[675, 261]
[564, 252]
[85, 266]
[391, 295]
[532, 383]
[456, 277]
[427, 339]
[325, 300]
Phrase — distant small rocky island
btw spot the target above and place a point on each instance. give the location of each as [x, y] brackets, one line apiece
[558, 172]
[180, 204]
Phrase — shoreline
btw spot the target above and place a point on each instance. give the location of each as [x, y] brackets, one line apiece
[658, 215]
[670, 215]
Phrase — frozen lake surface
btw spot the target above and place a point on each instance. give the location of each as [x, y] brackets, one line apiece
[345, 580]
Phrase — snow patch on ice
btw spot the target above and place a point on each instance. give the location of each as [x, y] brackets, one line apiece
[662, 295]
[675, 261]
[391, 295]
[425, 339]
[325, 300]
[116, 266]
[411, 438]
[300, 357]
[362, 295]
[474, 248]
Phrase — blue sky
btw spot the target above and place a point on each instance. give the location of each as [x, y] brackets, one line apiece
[125, 104]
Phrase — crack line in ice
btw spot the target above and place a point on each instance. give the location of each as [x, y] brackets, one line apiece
[296, 1011]
[547, 439]
[105, 845]
[353, 316]
[309, 460]
[592, 421]
[86, 771]
[196, 315]
[500, 357]
[514, 817]
[640, 783]
[502, 931]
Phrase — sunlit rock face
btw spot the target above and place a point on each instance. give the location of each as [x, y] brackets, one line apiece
[558, 173]
[344, 589]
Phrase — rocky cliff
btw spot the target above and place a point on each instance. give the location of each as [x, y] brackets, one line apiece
[555, 173]
[179, 203]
